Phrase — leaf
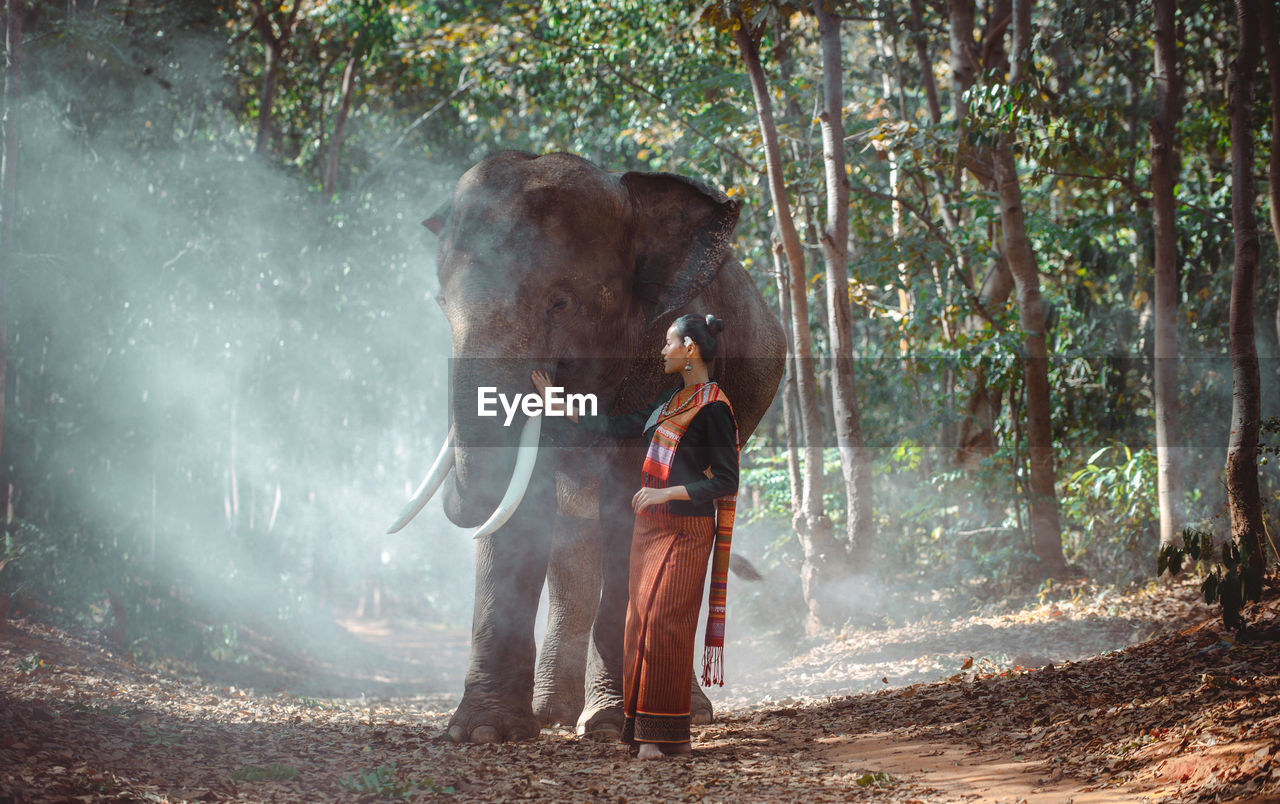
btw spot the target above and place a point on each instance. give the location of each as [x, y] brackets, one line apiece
[874, 780]
[967, 663]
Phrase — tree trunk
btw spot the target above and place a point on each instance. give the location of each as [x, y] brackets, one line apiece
[823, 557]
[266, 103]
[944, 191]
[1243, 495]
[966, 58]
[1269, 27]
[855, 460]
[1164, 176]
[274, 45]
[976, 438]
[964, 55]
[895, 189]
[926, 63]
[330, 183]
[8, 199]
[1045, 528]
[790, 403]
[791, 394]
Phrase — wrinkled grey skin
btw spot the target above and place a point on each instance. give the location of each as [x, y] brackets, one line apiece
[549, 263]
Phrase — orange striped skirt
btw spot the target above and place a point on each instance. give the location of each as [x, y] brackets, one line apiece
[668, 567]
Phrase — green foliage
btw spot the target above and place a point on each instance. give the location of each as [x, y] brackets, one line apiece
[769, 475]
[878, 780]
[1227, 579]
[1114, 512]
[1270, 427]
[729, 15]
[383, 781]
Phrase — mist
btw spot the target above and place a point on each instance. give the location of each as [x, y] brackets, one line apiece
[216, 375]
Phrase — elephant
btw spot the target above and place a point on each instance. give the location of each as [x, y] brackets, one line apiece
[550, 263]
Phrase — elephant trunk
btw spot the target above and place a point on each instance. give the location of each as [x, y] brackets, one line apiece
[493, 457]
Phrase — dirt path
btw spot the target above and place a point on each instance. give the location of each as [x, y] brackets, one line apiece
[1181, 716]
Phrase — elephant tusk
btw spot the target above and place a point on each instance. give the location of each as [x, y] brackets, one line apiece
[526, 457]
[435, 477]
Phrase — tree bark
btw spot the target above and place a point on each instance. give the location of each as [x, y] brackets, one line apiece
[1244, 500]
[274, 45]
[823, 557]
[8, 201]
[926, 63]
[895, 190]
[1164, 176]
[266, 103]
[1269, 28]
[330, 183]
[855, 460]
[964, 55]
[790, 399]
[976, 436]
[1045, 528]
[791, 394]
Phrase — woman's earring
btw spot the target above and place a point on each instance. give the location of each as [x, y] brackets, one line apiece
[688, 366]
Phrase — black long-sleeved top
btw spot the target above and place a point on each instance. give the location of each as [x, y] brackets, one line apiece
[708, 443]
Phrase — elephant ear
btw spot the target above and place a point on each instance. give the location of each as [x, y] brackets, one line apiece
[438, 218]
[683, 233]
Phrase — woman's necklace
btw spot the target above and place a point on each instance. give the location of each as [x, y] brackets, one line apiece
[667, 412]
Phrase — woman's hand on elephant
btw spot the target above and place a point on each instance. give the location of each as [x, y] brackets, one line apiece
[542, 382]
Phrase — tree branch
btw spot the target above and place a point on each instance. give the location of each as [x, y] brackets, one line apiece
[914, 210]
[463, 86]
[662, 102]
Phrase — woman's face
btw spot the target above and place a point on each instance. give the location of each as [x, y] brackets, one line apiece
[674, 353]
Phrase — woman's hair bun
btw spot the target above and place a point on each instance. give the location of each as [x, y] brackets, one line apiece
[714, 325]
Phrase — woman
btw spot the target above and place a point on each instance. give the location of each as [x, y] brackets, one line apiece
[688, 480]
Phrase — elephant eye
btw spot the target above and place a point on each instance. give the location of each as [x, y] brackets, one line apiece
[561, 306]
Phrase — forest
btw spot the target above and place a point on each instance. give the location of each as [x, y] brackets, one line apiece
[1026, 256]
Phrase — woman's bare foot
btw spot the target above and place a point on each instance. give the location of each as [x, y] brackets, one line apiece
[660, 750]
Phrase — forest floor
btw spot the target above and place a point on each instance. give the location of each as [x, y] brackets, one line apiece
[1088, 698]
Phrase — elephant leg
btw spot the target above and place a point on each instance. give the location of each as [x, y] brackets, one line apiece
[511, 566]
[573, 590]
[602, 713]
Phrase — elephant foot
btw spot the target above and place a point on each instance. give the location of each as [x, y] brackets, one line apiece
[602, 723]
[553, 711]
[492, 722]
[700, 710]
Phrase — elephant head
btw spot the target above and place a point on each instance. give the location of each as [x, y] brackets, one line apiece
[549, 263]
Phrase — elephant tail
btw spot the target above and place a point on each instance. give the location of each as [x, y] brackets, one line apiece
[743, 568]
